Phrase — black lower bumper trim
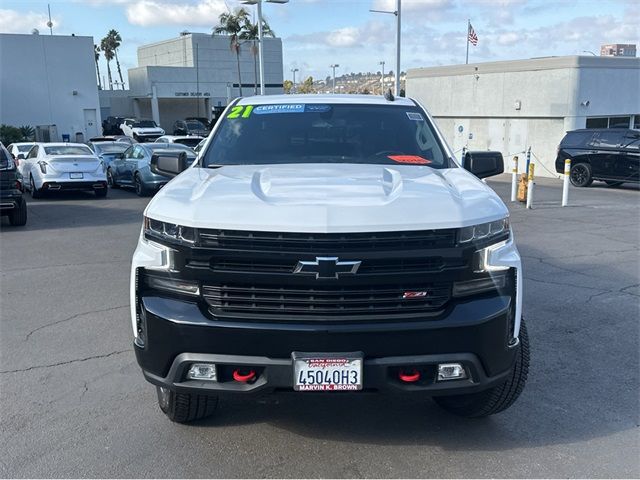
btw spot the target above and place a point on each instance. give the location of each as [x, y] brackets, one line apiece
[379, 374]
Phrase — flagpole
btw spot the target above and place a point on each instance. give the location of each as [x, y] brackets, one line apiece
[468, 30]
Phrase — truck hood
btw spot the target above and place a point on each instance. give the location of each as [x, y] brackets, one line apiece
[325, 198]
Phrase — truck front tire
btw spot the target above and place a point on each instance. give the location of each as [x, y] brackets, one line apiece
[185, 407]
[496, 399]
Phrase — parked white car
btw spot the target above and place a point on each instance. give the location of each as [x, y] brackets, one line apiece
[141, 130]
[190, 141]
[63, 166]
[22, 148]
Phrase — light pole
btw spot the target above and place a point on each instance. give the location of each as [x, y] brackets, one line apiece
[397, 13]
[589, 51]
[294, 70]
[382, 63]
[334, 66]
[258, 3]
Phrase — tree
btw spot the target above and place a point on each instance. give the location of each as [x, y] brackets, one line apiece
[231, 24]
[306, 86]
[287, 85]
[115, 40]
[105, 46]
[250, 33]
[9, 134]
[96, 51]
[27, 132]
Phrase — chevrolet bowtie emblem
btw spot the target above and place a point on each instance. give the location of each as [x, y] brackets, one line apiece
[327, 267]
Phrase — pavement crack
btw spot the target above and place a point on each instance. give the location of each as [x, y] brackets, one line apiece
[76, 360]
[566, 284]
[72, 317]
[61, 265]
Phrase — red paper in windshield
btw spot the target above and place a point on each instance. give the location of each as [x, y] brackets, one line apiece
[413, 159]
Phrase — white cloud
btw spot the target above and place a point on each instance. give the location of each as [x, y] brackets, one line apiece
[344, 37]
[23, 22]
[148, 13]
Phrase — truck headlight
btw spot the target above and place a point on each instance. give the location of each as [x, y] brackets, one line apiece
[168, 231]
[484, 231]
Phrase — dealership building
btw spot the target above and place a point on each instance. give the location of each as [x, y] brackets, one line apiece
[512, 105]
[48, 82]
[190, 76]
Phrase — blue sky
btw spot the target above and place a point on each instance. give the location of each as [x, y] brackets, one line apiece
[317, 33]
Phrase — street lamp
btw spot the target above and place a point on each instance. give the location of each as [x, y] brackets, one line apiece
[589, 51]
[258, 3]
[294, 70]
[382, 63]
[334, 66]
[398, 35]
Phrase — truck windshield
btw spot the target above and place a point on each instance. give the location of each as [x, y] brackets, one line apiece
[325, 133]
[145, 124]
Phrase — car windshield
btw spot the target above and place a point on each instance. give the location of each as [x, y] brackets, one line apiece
[145, 124]
[195, 125]
[25, 148]
[189, 142]
[110, 147]
[326, 133]
[67, 150]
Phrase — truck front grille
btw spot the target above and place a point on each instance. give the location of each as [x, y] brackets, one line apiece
[250, 301]
[318, 243]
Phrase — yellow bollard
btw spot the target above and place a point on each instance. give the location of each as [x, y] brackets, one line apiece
[530, 186]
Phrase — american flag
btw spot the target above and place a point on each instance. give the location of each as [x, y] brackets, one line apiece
[472, 37]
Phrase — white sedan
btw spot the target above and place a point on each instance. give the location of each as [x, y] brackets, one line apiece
[63, 166]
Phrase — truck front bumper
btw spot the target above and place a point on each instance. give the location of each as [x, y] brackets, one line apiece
[474, 334]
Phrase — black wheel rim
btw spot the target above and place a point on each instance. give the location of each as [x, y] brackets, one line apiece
[138, 186]
[579, 175]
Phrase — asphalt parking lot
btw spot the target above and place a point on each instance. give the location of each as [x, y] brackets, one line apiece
[74, 403]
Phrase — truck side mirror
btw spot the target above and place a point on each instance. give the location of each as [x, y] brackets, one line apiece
[484, 164]
[169, 163]
[20, 156]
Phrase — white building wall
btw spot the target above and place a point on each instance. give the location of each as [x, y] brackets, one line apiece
[509, 106]
[38, 77]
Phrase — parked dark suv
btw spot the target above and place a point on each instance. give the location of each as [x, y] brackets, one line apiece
[12, 203]
[611, 155]
[190, 127]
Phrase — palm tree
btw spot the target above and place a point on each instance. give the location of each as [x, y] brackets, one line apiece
[116, 40]
[105, 46]
[96, 51]
[231, 24]
[250, 33]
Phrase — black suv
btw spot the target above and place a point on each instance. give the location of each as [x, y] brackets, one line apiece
[111, 126]
[11, 202]
[190, 126]
[608, 154]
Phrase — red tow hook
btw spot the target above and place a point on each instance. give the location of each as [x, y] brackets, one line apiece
[410, 377]
[238, 376]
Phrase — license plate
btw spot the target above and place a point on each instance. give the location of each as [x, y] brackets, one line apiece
[76, 175]
[327, 372]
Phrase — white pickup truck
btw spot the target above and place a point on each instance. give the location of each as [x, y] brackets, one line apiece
[141, 130]
[328, 243]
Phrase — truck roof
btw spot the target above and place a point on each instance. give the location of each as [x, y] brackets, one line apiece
[324, 98]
